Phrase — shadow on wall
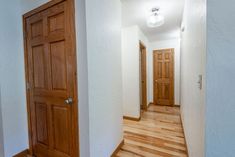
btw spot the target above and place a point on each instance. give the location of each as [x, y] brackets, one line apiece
[1, 129]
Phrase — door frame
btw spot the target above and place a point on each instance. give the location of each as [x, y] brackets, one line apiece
[154, 92]
[71, 5]
[141, 47]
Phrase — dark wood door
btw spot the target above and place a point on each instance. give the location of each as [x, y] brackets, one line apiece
[51, 73]
[163, 65]
[143, 77]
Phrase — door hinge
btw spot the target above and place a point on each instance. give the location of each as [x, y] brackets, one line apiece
[25, 35]
[200, 82]
[28, 86]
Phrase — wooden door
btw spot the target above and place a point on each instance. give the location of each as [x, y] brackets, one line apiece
[163, 65]
[51, 79]
[143, 77]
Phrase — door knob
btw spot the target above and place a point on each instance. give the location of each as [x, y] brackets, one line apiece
[69, 101]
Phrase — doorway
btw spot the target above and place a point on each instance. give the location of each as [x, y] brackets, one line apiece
[143, 76]
[163, 77]
[50, 59]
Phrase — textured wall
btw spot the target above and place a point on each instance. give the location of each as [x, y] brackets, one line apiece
[131, 36]
[220, 103]
[13, 100]
[192, 65]
[1, 129]
[130, 72]
[105, 75]
[80, 9]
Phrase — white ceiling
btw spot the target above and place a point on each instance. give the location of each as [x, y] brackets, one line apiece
[134, 12]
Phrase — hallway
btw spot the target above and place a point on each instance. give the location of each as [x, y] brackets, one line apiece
[159, 133]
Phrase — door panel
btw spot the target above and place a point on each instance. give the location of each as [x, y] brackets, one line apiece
[61, 121]
[58, 65]
[56, 22]
[37, 28]
[51, 69]
[39, 69]
[163, 62]
[41, 123]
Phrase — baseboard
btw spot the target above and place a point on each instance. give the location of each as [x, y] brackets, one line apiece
[117, 149]
[150, 103]
[185, 141]
[22, 154]
[131, 118]
[168, 105]
[175, 105]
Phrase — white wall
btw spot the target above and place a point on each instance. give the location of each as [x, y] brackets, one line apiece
[165, 44]
[80, 10]
[105, 75]
[143, 38]
[13, 99]
[130, 72]
[27, 5]
[220, 108]
[193, 56]
[131, 69]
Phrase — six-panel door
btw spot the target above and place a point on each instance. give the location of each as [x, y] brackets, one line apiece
[163, 62]
[51, 72]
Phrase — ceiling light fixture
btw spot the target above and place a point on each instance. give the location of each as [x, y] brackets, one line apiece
[155, 19]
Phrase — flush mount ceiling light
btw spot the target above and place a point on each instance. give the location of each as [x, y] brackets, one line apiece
[155, 19]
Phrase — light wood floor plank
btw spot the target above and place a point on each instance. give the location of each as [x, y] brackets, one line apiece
[159, 133]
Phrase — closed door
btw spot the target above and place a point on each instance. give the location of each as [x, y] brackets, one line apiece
[51, 79]
[143, 77]
[163, 65]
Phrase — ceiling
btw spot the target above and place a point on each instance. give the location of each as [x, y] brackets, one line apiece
[134, 12]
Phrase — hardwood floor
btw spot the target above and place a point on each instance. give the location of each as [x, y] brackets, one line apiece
[159, 133]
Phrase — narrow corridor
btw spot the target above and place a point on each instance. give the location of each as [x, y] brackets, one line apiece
[159, 133]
